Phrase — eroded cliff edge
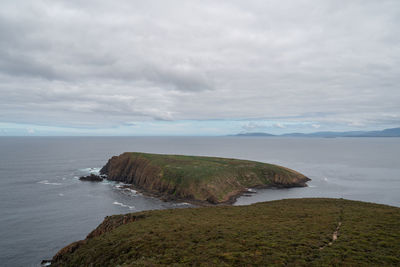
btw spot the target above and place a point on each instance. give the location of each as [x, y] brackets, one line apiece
[197, 179]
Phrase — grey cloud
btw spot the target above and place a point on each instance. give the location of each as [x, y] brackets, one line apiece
[102, 63]
[253, 126]
[74, 45]
[17, 65]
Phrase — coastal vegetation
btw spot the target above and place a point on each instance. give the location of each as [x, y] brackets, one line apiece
[296, 232]
[198, 179]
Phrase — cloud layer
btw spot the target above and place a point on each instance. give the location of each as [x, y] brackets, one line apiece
[105, 64]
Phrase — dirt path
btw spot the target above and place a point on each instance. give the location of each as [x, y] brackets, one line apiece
[334, 236]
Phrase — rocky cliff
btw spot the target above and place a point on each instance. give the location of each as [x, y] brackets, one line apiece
[109, 224]
[192, 178]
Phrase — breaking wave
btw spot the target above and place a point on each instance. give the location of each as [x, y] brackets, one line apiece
[123, 205]
[91, 170]
[48, 183]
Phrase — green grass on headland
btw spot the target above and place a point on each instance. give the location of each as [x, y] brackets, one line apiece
[295, 232]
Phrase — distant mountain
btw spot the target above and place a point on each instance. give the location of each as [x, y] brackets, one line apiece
[254, 134]
[393, 132]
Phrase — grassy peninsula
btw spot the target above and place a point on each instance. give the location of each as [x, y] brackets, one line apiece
[297, 232]
[197, 179]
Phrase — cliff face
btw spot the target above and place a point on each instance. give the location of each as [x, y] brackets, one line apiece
[142, 173]
[204, 179]
[109, 224]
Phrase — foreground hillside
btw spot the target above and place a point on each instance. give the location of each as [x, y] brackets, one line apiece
[301, 232]
[193, 178]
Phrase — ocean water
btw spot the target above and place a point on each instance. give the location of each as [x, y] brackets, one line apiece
[44, 206]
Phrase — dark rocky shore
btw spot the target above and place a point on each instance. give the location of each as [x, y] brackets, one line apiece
[91, 178]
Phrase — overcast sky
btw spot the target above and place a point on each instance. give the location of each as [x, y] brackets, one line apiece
[198, 67]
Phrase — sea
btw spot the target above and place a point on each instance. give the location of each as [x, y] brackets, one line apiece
[44, 206]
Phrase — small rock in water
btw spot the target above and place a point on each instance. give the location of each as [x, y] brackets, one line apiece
[91, 178]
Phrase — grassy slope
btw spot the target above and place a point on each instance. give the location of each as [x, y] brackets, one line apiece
[218, 178]
[271, 233]
[198, 168]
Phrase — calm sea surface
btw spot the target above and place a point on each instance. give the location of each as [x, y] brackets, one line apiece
[44, 206]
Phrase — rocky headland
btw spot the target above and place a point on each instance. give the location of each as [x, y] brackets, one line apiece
[293, 232]
[202, 180]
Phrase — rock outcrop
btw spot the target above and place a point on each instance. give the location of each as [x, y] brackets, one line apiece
[91, 178]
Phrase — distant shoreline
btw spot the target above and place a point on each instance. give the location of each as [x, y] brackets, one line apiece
[392, 132]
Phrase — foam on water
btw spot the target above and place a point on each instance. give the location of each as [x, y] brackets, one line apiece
[91, 170]
[132, 191]
[182, 204]
[123, 205]
[48, 183]
[127, 190]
